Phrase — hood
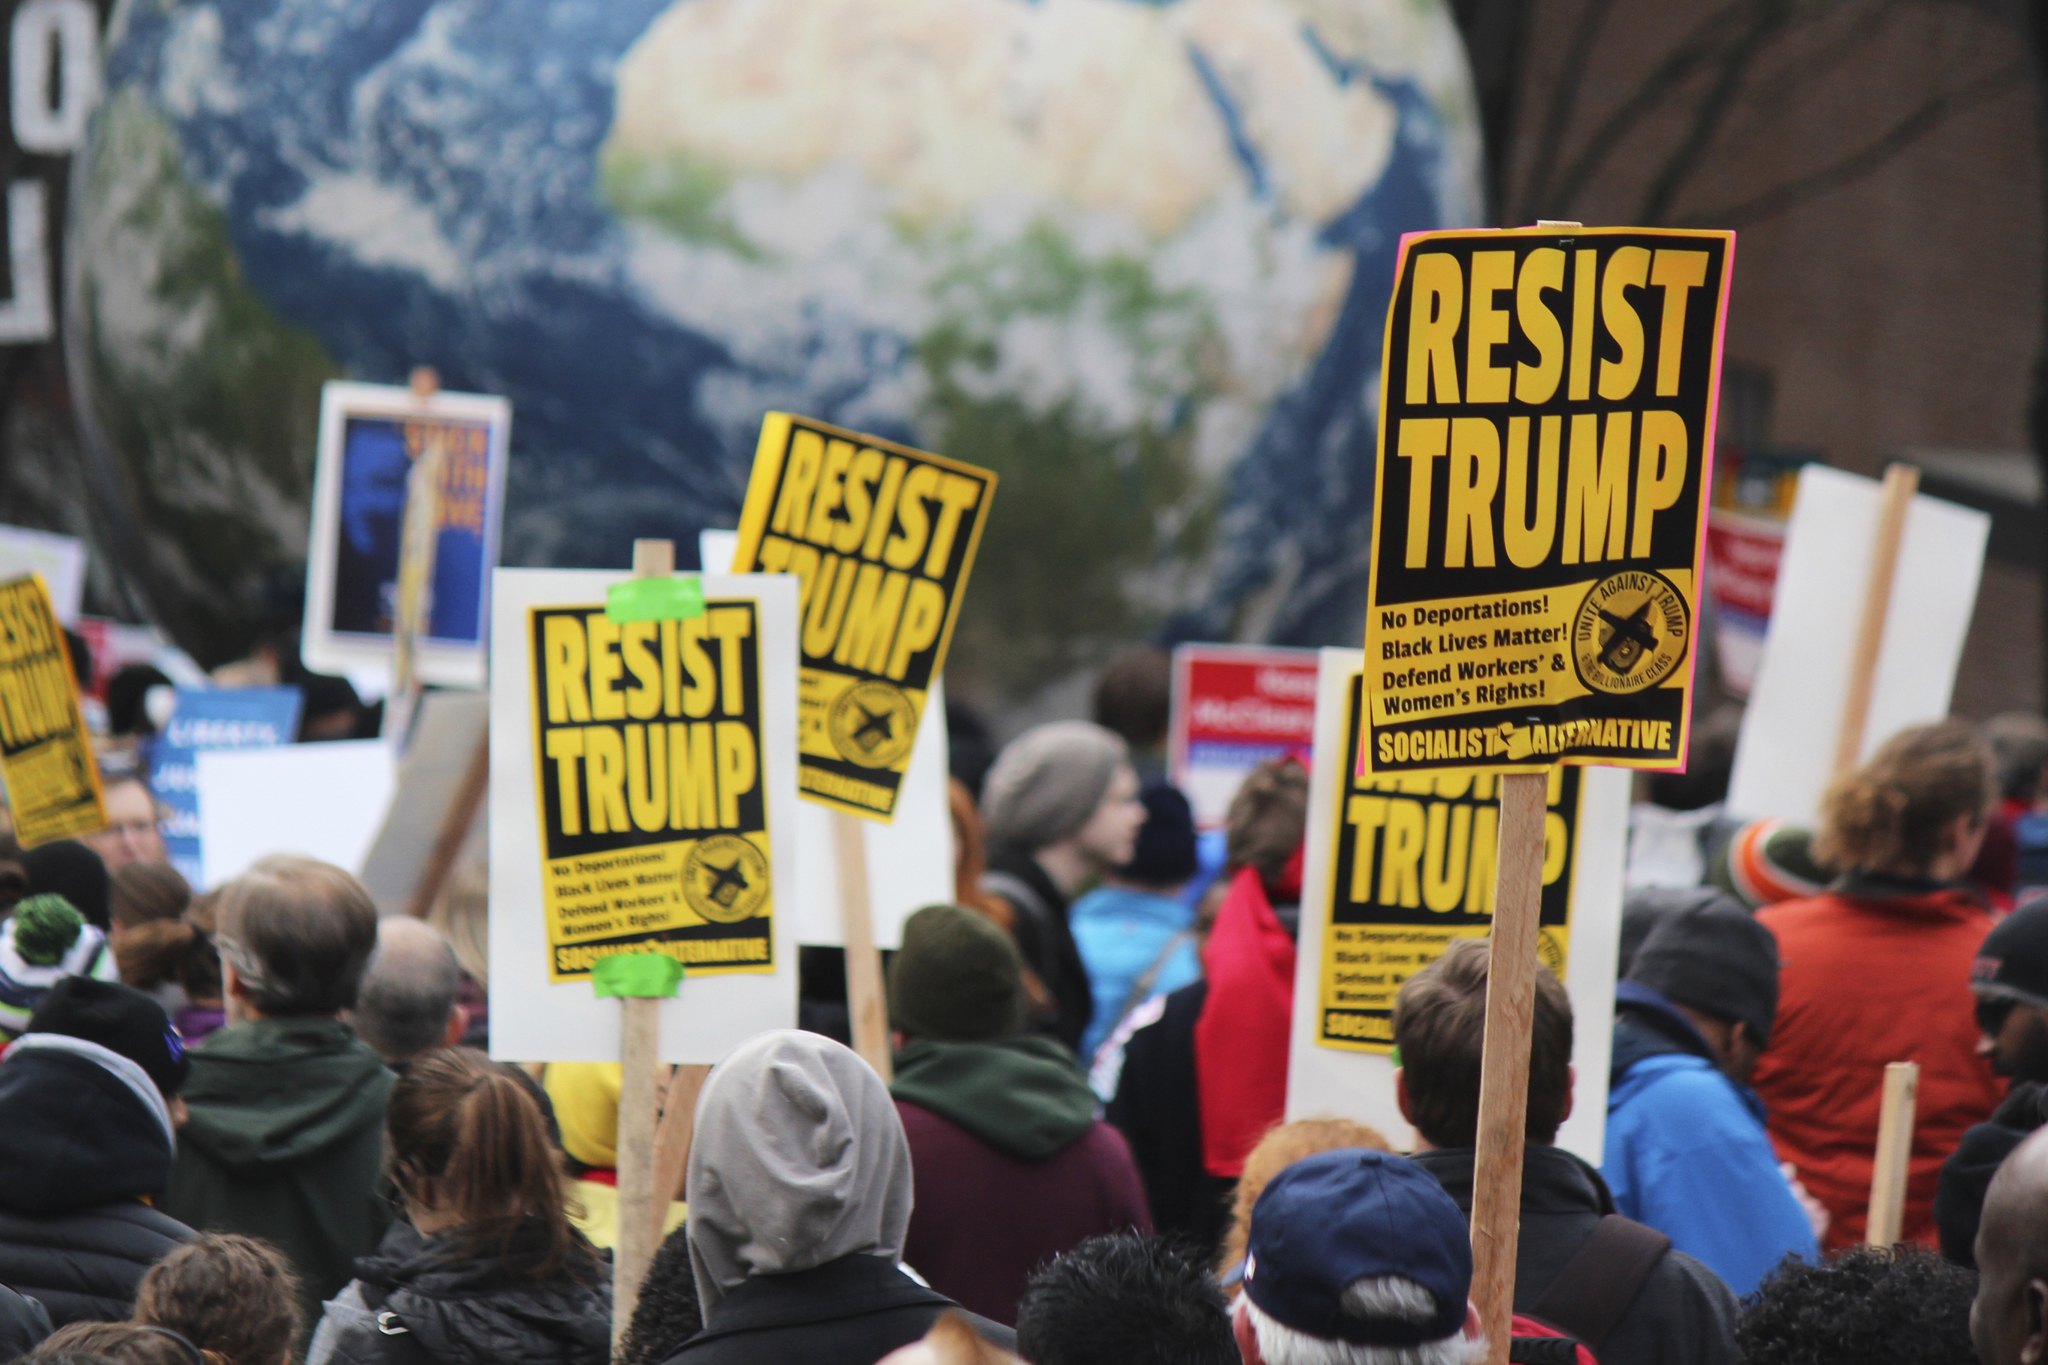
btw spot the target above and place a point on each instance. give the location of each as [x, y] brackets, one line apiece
[1241, 1038]
[799, 1159]
[1646, 1025]
[1022, 1096]
[467, 1311]
[278, 1091]
[79, 1133]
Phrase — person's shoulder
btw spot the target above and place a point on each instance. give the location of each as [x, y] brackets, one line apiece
[1679, 1275]
[1691, 1089]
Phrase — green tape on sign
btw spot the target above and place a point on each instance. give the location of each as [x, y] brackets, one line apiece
[655, 599]
[655, 976]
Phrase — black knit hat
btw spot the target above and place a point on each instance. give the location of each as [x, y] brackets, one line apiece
[69, 869]
[120, 1019]
[956, 979]
[1165, 852]
[1716, 959]
[2013, 963]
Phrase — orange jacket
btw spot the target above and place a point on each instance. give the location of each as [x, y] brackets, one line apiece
[1870, 979]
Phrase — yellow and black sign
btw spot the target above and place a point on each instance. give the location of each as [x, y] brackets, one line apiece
[1413, 870]
[880, 537]
[46, 760]
[653, 817]
[1546, 426]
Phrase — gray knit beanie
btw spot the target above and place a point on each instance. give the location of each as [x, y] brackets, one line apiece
[1047, 782]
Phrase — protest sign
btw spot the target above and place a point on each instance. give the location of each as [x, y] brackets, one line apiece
[1786, 753]
[321, 800]
[909, 860]
[881, 538]
[59, 559]
[46, 758]
[1546, 423]
[211, 718]
[643, 780]
[434, 805]
[1234, 707]
[371, 435]
[1399, 866]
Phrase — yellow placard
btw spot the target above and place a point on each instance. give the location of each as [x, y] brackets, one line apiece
[1411, 871]
[1546, 432]
[46, 758]
[653, 815]
[880, 537]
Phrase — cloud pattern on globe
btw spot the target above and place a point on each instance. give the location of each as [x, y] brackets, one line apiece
[1133, 255]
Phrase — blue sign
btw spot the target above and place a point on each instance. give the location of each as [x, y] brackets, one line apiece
[212, 718]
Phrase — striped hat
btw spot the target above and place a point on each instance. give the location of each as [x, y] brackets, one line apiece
[1767, 861]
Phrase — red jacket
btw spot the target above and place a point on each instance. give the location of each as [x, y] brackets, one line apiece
[1868, 980]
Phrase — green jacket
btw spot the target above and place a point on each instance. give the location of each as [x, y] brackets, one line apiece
[286, 1143]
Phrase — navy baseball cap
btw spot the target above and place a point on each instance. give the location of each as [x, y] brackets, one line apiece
[1350, 1215]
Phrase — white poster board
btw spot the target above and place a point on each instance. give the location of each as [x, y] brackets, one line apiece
[322, 800]
[1358, 1085]
[444, 736]
[59, 559]
[534, 1019]
[1786, 753]
[910, 860]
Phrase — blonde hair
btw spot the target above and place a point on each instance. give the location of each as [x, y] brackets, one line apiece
[1893, 813]
[462, 912]
[1282, 1146]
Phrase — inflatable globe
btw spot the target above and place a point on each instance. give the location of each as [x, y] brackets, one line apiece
[1132, 254]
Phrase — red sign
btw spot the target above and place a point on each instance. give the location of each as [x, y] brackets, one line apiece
[1234, 707]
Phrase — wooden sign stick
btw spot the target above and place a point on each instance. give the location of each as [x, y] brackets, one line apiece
[672, 1142]
[1901, 482]
[639, 1087]
[419, 538]
[1894, 1153]
[865, 1002]
[1511, 968]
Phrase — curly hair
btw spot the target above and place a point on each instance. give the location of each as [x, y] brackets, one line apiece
[233, 1296]
[1893, 813]
[1904, 1305]
[668, 1313]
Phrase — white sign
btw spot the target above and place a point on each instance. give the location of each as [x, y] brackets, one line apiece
[1355, 1084]
[1786, 754]
[430, 777]
[536, 1019]
[322, 800]
[59, 559]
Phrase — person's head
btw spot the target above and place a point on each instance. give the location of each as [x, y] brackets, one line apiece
[462, 912]
[332, 710]
[1282, 1146]
[470, 1156]
[2019, 752]
[1264, 825]
[132, 834]
[1767, 861]
[1357, 1258]
[233, 1297]
[1719, 966]
[1902, 1304]
[956, 979]
[2009, 1320]
[668, 1313]
[1134, 697]
[585, 1099]
[1440, 1030]
[131, 710]
[147, 893]
[1067, 788]
[1916, 808]
[121, 1020]
[798, 1160]
[406, 1003]
[48, 931]
[1164, 858]
[117, 1343]
[1124, 1299]
[2010, 981]
[72, 870]
[176, 952]
[293, 935]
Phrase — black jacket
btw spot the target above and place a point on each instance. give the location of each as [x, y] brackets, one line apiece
[1966, 1175]
[1157, 1109]
[23, 1324]
[461, 1310]
[852, 1311]
[79, 1152]
[1683, 1315]
[1045, 939]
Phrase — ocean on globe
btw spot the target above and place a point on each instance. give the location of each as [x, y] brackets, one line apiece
[1134, 255]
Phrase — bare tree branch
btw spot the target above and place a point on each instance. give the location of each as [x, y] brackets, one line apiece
[1767, 17]
[1564, 97]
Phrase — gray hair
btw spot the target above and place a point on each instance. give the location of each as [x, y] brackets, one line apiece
[297, 932]
[1377, 1296]
[408, 991]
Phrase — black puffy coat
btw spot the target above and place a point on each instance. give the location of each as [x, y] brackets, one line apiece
[79, 1152]
[462, 1310]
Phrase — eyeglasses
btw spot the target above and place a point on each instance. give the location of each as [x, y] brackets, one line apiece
[1992, 1014]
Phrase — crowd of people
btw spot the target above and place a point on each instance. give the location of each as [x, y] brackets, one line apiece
[260, 1125]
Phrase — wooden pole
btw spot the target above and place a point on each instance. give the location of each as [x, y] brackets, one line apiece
[639, 1084]
[1901, 482]
[865, 1002]
[1894, 1153]
[672, 1141]
[419, 539]
[1504, 1067]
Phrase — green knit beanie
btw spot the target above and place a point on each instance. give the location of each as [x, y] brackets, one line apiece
[956, 979]
[45, 927]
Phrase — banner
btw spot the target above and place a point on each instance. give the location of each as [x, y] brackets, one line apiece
[59, 559]
[46, 758]
[1235, 707]
[880, 538]
[211, 718]
[1546, 423]
[370, 437]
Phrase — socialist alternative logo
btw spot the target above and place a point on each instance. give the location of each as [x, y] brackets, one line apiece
[872, 724]
[725, 878]
[1631, 633]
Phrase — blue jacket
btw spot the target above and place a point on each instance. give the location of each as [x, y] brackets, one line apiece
[1120, 933]
[1687, 1152]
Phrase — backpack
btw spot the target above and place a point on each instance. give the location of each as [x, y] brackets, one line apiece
[1573, 1318]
